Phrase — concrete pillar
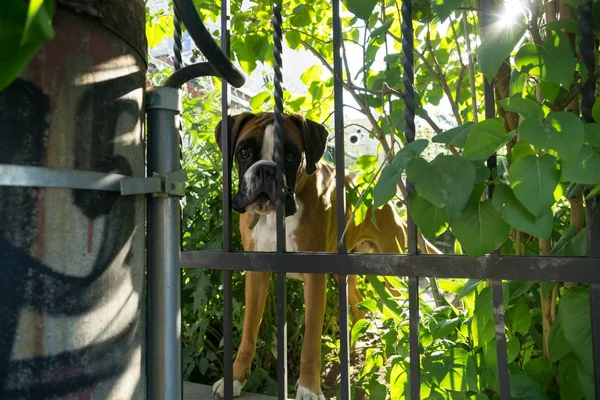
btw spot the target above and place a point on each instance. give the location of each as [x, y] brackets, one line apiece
[72, 281]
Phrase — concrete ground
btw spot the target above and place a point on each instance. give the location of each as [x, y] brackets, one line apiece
[194, 391]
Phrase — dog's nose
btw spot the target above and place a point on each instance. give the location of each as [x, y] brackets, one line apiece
[265, 172]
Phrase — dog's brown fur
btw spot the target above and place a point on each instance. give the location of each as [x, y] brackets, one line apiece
[316, 232]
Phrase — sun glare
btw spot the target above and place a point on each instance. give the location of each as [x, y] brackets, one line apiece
[513, 9]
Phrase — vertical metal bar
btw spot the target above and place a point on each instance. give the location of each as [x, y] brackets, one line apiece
[593, 227]
[497, 295]
[409, 117]
[282, 381]
[340, 171]
[501, 353]
[177, 60]
[586, 48]
[164, 250]
[341, 200]
[227, 160]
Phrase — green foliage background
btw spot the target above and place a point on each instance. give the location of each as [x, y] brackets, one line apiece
[548, 165]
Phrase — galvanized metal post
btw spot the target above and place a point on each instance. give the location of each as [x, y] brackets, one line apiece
[164, 249]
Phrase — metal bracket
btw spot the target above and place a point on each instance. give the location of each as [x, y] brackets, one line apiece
[160, 185]
[171, 184]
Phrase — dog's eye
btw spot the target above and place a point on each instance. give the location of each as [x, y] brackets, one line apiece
[290, 157]
[244, 153]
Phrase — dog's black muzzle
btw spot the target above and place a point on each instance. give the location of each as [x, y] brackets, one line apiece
[257, 189]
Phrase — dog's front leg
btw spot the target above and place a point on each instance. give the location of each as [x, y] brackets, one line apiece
[310, 362]
[257, 288]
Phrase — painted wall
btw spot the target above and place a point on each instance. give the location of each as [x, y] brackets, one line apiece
[72, 302]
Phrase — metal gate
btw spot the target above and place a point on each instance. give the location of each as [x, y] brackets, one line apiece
[493, 267]
[165, 183]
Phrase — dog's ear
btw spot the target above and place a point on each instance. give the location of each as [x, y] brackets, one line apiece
[314, 137]
[235, 124]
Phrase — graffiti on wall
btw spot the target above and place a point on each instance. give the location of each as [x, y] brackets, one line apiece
[60, 334]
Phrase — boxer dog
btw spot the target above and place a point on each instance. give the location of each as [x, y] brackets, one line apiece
[310, 209]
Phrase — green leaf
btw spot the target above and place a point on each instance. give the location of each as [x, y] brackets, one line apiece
[384, 296]
[480, 228]
[519, 150]
[361, 8]
[584, 169]
[553, 61]
[570, 386]
[586, 382]
[443, 8]
[593, 193]
[526, 107]
[302, 16]
[574, 312]
[568, 25]
[292, 39]
[398, 381]
[596, 110]
[455, 368]
[312, 74]
[482, 172]
[368, 305]
[431, 220]
[513, 345]
[445, 182]
[496, 44]
[377, 391]
[485, 139]
[518, 317]
[550, 90]
[385, 189]
[456, 136]
[517, 288]
[443, 328]
[592, 134]
[257, 45]
[571, 243]
[541, 370]
[38, 25]
[523, 387]
[557, 344]
[533, 180]
[258, 100]
[517, 82]
[469, 286]
[358, 330]
[156, 31]
[381, 30]
[19, 45]
[562, 132]
[367, 162]
[517, 215]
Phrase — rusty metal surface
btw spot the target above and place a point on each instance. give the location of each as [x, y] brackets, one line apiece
[115, 15]
[72, 261]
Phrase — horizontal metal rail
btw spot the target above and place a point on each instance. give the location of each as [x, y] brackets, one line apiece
[538, 268]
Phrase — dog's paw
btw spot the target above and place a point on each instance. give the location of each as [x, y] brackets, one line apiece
[218, 389]
[303, 393]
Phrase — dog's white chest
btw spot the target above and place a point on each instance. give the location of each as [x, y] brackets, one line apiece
[265, 232]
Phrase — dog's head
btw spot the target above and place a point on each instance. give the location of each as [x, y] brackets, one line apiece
[253, 146]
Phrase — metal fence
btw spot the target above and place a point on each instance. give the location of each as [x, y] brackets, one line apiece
[165, 348]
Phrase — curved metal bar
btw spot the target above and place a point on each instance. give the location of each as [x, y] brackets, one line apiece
[181, 76]
[205, 42]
